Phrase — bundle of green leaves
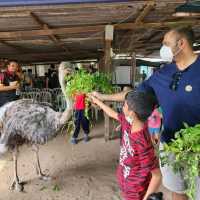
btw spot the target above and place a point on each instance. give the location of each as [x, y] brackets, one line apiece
[186, 150]
[83, 82]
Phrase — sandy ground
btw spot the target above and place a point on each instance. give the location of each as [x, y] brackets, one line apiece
[79, 172]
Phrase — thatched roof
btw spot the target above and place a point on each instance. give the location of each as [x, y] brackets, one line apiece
[76, 31]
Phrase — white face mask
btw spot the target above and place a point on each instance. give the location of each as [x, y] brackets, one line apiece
[166, 53]
[129, 119]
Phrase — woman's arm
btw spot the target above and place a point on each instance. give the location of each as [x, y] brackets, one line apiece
[154, 183]
[109, 111]
[8, 88]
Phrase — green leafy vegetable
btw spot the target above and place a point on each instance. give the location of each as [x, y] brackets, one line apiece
[56, 188]
[186, 149]
[43, 188]
[84, 82]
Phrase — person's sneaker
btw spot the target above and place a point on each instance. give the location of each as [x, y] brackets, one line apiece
[73, 140]
[86, 138]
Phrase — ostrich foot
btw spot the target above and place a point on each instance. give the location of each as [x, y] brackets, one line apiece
[17, 186]
[44, 177]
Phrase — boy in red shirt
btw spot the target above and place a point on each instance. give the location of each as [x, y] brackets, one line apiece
[80, 118]
[138, 171]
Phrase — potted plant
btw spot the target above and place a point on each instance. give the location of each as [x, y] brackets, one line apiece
[186, 151]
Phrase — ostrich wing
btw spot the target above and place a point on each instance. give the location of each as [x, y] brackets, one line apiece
[32, 121]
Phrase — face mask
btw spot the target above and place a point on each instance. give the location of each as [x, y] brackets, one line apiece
[166, 53]
[129, 120]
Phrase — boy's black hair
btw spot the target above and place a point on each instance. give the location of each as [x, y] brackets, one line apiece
[142, 103]
[155, 196]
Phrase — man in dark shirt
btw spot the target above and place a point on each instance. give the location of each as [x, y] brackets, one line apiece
[177, 88]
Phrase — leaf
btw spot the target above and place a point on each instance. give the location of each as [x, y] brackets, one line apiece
[185, 125]
[56, 188]
[43, 188]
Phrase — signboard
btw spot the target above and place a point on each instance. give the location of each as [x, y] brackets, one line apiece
[122, 75]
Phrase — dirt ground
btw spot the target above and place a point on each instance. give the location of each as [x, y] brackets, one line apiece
[85, 171]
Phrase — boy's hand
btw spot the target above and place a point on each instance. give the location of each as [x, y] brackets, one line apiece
[94, 99]
[97, 94]
[118, 128]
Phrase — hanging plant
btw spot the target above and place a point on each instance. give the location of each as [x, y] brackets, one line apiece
[186, 150]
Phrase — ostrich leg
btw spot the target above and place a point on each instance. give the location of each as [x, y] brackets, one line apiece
[16, 185]
[38, 168]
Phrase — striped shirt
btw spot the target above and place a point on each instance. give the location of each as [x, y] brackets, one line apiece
[137, 160]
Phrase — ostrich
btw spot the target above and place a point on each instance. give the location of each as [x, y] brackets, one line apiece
[27, 121]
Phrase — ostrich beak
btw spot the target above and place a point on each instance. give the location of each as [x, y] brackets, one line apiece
[67, 71]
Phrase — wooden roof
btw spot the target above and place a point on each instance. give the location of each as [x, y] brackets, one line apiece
[48, 33]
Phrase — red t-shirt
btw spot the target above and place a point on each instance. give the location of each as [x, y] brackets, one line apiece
[79, 103]
[137, 160]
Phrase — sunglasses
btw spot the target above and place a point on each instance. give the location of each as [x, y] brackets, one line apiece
[176, 77]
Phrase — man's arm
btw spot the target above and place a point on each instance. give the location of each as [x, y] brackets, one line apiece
[144, 86]
[110, 97]
[109, 111]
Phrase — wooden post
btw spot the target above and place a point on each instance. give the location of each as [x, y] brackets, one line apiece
[101, 64]
[107, 69]
[107, 58]
[36, 71]
[133, 63]
[106, 126]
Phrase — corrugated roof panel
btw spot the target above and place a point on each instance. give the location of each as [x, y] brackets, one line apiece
[51, 2]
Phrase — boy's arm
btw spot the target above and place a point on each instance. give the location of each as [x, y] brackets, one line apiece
[109, 111]
[154, 183]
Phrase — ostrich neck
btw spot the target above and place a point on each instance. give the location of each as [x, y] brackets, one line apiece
[62, 84]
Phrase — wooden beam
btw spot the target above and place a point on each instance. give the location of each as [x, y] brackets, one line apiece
[150, 5]
[53, 31]
[45, 26]
[169, 24]
[48, 54]
[87, 29]
[36, 58]
[16, 48]
[147, 8]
